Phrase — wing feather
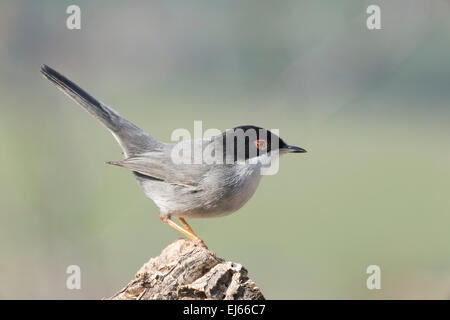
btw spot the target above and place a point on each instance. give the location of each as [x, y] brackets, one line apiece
[158, 165]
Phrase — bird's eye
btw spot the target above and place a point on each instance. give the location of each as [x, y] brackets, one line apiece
[261, 144]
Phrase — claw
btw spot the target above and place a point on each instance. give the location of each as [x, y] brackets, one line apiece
[187, 231]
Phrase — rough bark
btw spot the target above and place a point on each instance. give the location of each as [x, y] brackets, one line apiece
[188, 271]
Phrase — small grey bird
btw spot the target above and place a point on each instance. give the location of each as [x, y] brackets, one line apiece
[183, 189]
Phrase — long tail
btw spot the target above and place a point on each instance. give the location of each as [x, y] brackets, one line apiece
[132, 139]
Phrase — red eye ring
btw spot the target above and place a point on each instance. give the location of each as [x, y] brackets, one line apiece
[261, 144]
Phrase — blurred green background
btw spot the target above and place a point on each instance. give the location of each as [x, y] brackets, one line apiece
[371, 107]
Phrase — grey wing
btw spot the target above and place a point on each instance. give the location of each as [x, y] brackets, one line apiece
[159, 165]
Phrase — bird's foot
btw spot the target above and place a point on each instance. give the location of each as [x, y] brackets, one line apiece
[201, 243]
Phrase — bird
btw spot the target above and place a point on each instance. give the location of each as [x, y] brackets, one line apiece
[181, 187]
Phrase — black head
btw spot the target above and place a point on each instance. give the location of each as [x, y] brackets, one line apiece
[252, 141]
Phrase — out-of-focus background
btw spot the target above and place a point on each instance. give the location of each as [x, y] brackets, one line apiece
[371, 107]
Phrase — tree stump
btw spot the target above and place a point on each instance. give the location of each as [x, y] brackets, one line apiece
[184, 271]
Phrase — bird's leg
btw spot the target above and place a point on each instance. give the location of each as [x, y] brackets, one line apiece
[188, 228]
[188, 233]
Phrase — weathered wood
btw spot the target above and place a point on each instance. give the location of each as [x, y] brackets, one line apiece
[188, 271]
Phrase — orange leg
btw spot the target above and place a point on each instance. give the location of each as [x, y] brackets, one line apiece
[188, 233]
[187, 226]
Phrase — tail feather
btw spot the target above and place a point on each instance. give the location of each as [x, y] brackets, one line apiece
[132, 139]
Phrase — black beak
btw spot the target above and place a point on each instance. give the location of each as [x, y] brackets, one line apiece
[293, 149]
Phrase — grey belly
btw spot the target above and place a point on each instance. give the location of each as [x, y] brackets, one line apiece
[208, 202]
